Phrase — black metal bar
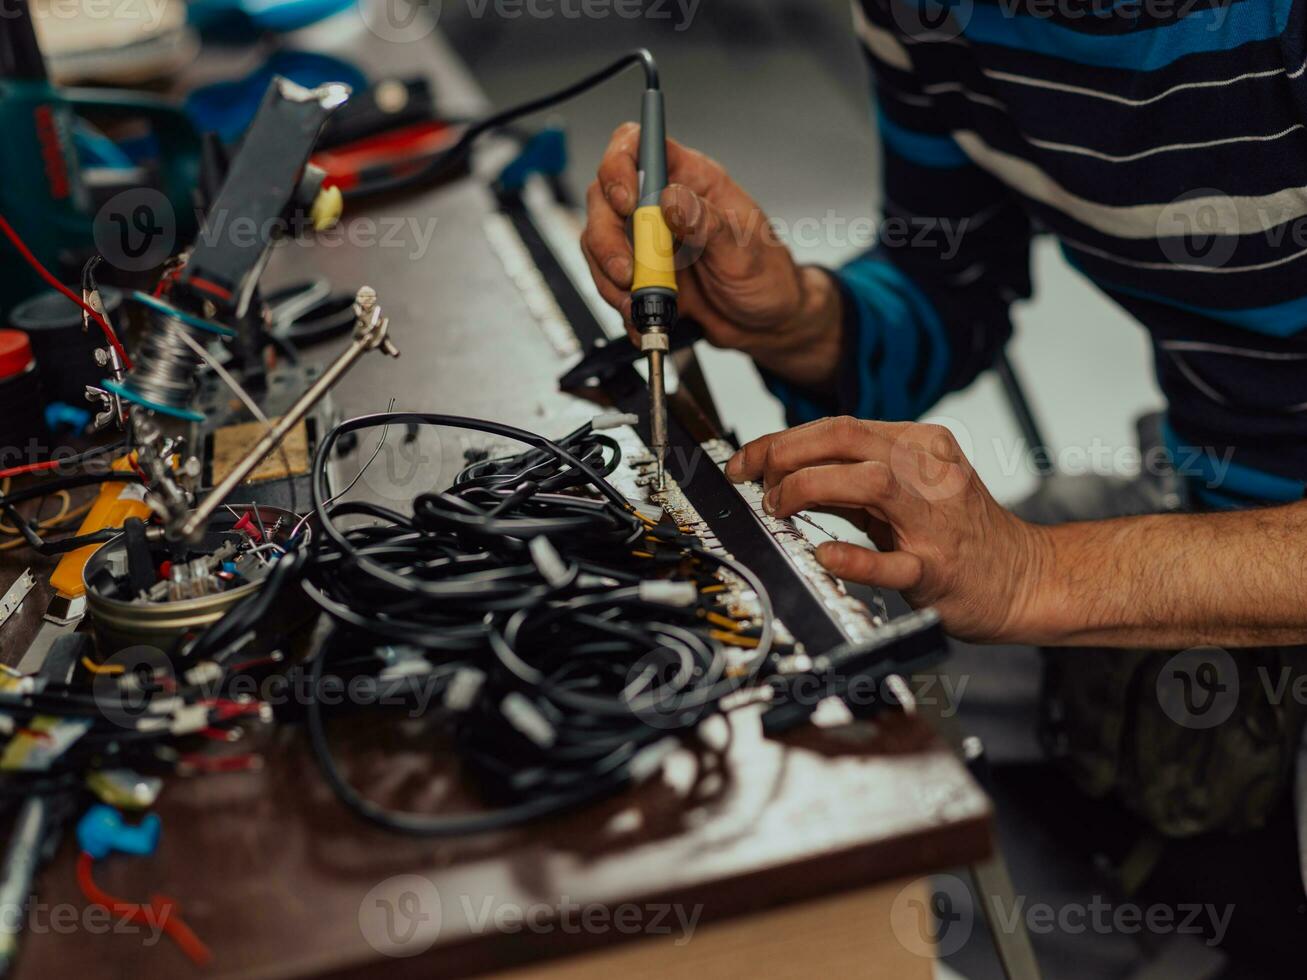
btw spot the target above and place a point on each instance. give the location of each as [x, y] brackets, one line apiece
[1020, 405]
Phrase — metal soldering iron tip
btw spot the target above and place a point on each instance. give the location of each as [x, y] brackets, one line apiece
[658, 414]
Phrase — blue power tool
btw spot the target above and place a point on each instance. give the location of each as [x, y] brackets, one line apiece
[45, 194]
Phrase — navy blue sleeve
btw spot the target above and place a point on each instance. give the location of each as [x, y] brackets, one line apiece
[927, 309]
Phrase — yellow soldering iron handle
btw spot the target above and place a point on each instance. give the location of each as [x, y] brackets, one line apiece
[115, 504]
[653, 289]
[655, 250]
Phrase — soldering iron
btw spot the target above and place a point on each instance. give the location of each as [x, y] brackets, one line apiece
[653, 291]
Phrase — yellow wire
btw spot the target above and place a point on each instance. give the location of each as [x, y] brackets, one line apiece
[722, 621]
[733, 639]
[63, 495]
[108, 669]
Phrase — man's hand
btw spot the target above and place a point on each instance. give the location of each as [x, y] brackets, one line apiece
[734, 276]
[943, 540]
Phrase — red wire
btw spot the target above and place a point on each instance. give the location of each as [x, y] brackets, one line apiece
[163, 913]
[47, 464]
[54, 283]
[133, 460]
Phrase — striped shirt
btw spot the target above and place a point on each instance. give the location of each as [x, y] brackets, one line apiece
[1161, 142]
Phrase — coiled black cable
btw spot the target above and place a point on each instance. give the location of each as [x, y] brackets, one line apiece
[581, 676]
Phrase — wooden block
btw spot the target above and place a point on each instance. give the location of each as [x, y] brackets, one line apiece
[232, 442]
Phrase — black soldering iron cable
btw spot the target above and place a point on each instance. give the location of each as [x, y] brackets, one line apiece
[432, 171]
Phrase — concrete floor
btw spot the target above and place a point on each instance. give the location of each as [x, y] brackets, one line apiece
[777, 92]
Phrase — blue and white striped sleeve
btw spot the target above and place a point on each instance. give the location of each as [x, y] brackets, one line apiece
[927, 309]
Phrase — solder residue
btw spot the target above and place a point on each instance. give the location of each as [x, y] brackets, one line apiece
[638, 481]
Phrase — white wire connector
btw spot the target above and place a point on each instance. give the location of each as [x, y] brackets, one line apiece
[206, 672]
[527, 719]
[464, 689]
[602, 422]
[650, 759]
[190, 719]
[549, 563]
[679, 594]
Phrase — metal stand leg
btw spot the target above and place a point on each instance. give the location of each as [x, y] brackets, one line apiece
[1016, 396]
[990, 878]
[994, 888]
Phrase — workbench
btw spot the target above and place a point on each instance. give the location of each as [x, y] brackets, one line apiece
[794, 856]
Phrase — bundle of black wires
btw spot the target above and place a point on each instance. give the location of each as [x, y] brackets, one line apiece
[566, 637]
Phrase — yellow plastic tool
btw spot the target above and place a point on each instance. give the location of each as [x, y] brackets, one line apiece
[115, 504]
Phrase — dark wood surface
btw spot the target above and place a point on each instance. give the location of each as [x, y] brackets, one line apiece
[273, 874]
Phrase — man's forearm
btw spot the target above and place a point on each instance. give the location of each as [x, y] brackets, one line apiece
[1169, 581]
